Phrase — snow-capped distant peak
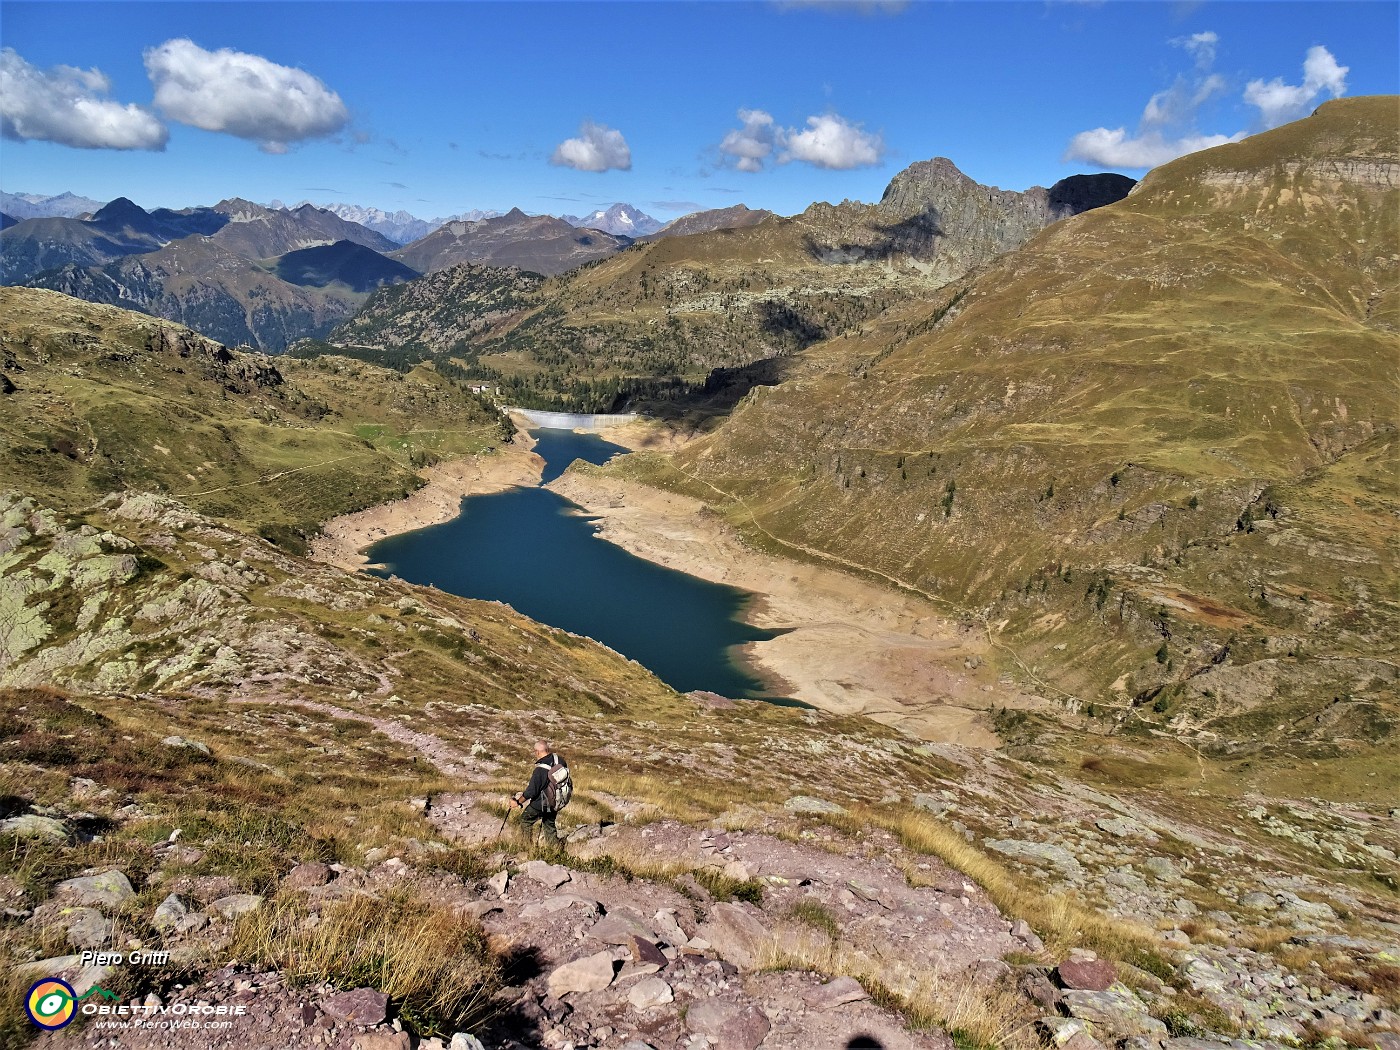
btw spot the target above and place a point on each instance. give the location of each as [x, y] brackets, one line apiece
[620, 220]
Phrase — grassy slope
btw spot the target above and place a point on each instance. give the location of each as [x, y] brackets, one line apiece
[1073, 449]
[105, 399]
[235, 644]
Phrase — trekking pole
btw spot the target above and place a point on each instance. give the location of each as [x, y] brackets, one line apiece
[502, 828]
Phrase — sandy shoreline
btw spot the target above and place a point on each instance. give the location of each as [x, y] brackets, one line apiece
[343, 539]
[851, 647]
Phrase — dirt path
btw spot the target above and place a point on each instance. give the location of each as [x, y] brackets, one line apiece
[446, 759]
[850, 645]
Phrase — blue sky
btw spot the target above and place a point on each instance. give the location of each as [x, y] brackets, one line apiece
[442, 107]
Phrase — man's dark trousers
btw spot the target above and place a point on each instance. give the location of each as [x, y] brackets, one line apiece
[532, 814]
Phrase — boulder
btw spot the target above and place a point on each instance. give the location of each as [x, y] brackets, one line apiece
[1090, 976]
[382, 1041]
[1036, 987]
[650, 992]
[1124, 827]
[1021, 930]
[1067, 1033]
[735, 935]
[87, 928]
[592, 973]
[664, 922]
[864, 890]
[305, 876]
[1056, 856]
[33, 826]
[204, 888]
[728, 1026]
[236, 905]
[110, 889]
[644, 951]
[179, 741]
[932, 804]
[619, 926]
[497, 883]
[835, 993]
[170, 914]
[551, 876]
[808, 804]
[361, 1006]
[1163, 868]
[1112, 1014]
[465, 1041]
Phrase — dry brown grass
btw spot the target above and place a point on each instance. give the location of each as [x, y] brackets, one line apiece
[433, 963]
[975, 1013]
[1062, 922]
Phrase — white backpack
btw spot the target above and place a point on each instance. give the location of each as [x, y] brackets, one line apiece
[558, 785]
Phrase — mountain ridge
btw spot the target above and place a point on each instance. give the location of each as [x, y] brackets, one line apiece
[1152, 445]
[655, 320]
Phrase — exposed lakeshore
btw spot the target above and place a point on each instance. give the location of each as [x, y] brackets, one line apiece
[343, 540]
[849, 646]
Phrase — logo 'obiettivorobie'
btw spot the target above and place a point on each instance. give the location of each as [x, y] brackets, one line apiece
[51, 1003]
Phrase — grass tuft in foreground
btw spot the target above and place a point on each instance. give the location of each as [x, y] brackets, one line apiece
[433, 963]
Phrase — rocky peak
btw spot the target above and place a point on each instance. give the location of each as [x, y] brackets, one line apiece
[1085, 192]
[240, 210]
[925, 183]
[121, 212]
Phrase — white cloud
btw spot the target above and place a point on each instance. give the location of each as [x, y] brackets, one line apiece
[1168, 126]
[751, 145]
[242, 94]
[828, 141]
[597, 148]
[67, 106]
[1201, 46]
[1279, 103]
[1179, 103]
[831, 141]
[1115, 148]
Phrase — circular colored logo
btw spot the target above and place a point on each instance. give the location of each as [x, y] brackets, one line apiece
[51, 1003]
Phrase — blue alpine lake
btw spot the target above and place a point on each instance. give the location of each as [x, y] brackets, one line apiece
[539, 553]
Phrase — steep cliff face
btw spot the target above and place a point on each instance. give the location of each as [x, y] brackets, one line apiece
[934, 214]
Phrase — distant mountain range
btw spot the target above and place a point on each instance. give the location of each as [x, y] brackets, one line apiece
[539, 243]
[238, 272]
[718, 290]
[731, 218]
[401, 227]
[621, 220]
[244, 272]
[117, 229]
[38, 206]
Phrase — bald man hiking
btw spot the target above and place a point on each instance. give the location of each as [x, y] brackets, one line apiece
[548, 792]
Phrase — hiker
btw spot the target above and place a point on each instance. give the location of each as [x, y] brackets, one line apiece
[548, 792]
